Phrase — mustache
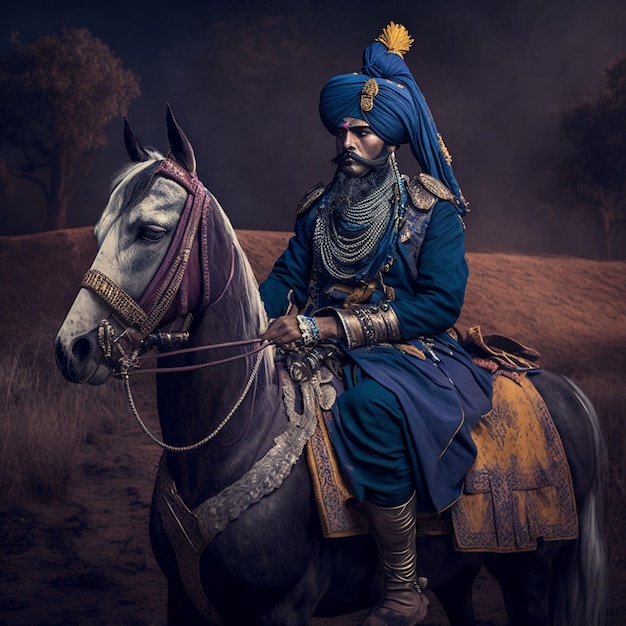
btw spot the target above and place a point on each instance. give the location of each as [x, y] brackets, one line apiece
[351, 154]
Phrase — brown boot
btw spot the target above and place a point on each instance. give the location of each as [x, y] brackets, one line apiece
[403, 603]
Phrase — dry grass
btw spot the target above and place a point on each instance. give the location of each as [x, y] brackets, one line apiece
[44, 421]
[571, 310]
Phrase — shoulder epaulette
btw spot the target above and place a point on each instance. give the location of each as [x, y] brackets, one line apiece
[309, 198]
[426, 190]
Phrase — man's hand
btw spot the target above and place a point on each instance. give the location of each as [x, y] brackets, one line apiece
[285, 329]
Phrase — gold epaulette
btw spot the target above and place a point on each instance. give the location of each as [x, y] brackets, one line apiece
[426, 190]
[310, 197]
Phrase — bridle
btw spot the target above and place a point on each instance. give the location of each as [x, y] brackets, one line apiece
[180, 286]
[167, 284]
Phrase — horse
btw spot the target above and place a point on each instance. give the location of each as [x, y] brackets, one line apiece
[239, 544]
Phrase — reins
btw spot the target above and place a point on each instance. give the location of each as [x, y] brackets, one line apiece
[143, 317]
[133, 363]
[198, 444]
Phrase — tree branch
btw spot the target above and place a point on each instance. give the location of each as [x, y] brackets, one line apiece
[617, 224]
[33, 179]
[31, 165]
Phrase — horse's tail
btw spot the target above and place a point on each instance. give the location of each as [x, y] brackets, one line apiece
[581, 594]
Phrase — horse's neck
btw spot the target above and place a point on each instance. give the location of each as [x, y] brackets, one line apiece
[193, 404]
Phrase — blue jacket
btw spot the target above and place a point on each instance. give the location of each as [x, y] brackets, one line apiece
[443, 396]
[426, 306]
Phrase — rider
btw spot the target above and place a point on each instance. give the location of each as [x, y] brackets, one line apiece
[377, 265]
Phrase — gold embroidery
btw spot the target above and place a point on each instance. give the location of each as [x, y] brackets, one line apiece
[368, 93]
[446, 154]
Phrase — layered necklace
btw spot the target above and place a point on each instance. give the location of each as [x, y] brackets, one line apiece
[347, 235]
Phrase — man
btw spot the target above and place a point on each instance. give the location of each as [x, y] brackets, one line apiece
[377, 265]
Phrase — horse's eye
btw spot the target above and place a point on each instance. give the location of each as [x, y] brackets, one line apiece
[152, 233]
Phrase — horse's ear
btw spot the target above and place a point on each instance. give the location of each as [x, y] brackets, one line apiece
[180, 147]
[135, 150]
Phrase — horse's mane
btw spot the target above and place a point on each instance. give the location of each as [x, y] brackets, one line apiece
[128, 186]
[252, 315]
[131, 183]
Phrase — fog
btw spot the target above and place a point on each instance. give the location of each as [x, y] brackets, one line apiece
[244, 79]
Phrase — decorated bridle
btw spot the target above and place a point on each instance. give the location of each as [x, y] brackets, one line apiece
[177, 288]
[181, 286]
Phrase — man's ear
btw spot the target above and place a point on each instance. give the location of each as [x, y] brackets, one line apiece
[392, 148]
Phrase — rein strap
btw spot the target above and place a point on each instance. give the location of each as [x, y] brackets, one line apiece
[116, 298]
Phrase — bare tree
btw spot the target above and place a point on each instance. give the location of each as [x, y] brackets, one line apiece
[56, 95]
[594, 171]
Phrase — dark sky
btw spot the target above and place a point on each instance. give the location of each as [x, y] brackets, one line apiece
[244, 78]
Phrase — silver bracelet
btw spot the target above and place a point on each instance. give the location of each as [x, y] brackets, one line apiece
[308, 329]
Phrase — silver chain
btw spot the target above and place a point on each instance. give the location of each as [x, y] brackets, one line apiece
[370, 218]
[212, 435]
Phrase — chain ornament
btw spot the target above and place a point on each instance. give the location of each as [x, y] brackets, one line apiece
[129, 363]
[368, 219]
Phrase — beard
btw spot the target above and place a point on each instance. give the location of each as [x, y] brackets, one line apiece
[349, 190]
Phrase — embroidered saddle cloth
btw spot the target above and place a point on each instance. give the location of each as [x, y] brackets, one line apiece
[518, 490]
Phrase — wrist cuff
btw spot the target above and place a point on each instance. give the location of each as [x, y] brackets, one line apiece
[365, 325]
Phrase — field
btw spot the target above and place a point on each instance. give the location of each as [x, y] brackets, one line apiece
[76, 472]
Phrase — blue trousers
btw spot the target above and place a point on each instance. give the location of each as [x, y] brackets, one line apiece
[372, 427]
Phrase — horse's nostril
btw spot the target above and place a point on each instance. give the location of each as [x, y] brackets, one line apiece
[81, 349]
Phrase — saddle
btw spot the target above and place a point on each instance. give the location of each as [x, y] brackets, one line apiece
[519, 488]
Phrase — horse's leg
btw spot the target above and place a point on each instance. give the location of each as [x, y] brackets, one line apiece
[180, 609]
[450, 575]
[525, 579]
[455, 596]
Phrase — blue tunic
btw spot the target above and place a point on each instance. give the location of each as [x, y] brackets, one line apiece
[403, 422]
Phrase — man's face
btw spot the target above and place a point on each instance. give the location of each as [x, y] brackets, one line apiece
[355, 134]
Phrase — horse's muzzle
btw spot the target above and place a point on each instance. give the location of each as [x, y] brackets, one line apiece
[83, 362]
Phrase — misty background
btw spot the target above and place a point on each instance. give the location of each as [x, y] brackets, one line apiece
[243, 79]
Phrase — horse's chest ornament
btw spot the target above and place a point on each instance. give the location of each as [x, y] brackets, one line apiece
[190, 531]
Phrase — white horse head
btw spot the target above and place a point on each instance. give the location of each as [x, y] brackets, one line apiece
[134, 234]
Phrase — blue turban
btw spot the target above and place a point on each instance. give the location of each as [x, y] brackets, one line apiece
[397, 113]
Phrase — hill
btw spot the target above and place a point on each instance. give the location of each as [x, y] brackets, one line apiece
[87, 559]
[572, 310]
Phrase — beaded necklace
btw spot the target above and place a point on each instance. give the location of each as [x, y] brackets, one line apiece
[345, 237]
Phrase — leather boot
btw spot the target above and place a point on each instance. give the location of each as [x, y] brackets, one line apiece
[403, 603]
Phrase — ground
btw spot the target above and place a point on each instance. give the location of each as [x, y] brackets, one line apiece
[86, 560]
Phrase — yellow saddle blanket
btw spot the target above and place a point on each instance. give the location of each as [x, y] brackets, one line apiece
[518, 490]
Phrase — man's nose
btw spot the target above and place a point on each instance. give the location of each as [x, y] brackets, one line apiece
[348, 141]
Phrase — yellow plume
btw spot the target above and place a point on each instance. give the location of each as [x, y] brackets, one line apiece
[397, 39]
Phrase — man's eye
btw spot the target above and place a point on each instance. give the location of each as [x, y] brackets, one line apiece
[152, 233]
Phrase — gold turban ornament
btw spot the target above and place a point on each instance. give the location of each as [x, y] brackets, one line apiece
[396, 38]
